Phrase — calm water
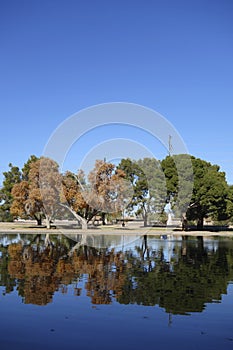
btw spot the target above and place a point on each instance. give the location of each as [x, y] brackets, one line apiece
[115, 292]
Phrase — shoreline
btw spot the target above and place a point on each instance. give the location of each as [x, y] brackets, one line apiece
[31, 228]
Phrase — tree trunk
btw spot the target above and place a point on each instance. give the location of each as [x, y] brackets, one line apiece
[184, 222]
[145, 214]
[103, 218]
[145, 219]
[39, 221]
[48, 222]
[200, 223]
[81, 220]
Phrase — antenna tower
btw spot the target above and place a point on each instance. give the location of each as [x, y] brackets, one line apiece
[170, 148]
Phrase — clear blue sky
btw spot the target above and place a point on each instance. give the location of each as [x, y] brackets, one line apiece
[60, 56]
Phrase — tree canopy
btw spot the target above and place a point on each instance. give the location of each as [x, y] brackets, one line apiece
[195, 189]
[149, 187]
[210, 193]
[11, 177]
[38, 196]
[103, 191]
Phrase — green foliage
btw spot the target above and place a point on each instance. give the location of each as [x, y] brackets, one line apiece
[156, 182]
[27, 166]
[210, 193]
[11, 177]
[171, 174]
[229, 205]
[195, 187]
[149, 187]
[137, 178]
[179, 181]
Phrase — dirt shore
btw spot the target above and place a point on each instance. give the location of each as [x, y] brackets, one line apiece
[132, 228]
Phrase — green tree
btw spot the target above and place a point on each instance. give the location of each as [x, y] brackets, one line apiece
[210, 193]
[137, 178]
[152, 206]
[11, 177]
[210, 190]
[149, 187]
[230, 203]
[20, 193]
[27, 166]
[178, 172]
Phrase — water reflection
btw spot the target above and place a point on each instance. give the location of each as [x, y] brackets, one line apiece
[179, 275]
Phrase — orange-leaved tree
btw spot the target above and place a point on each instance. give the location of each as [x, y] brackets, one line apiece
[104, 191]
[72, 199]
[38, 196]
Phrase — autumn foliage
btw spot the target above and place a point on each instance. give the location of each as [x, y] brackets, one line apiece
[38, 196]
[46, 190]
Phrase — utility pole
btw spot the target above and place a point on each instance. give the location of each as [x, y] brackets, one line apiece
[170, 148]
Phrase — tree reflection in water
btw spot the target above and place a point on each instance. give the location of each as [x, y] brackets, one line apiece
[181, 282]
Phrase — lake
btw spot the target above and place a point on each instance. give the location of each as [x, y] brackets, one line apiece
[115, 291]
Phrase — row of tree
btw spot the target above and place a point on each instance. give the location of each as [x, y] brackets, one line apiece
[194, 188]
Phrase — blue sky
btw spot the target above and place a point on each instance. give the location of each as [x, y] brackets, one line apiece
[60, 56]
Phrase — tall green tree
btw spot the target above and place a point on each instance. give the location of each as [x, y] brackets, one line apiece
[178, 172]
[11, 177]
[137, 178]
[210, 193]
[149, 187]
[230, 203]
[209, 188]
[152, 206]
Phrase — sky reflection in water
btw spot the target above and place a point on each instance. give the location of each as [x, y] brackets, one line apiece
[147, 292]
